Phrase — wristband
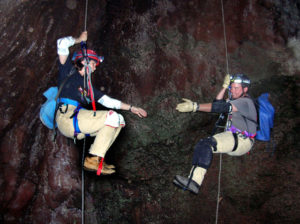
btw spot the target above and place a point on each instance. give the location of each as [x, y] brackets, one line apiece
[195, 106]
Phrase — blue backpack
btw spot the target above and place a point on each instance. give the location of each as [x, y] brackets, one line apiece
[47, 111]
[265, 117]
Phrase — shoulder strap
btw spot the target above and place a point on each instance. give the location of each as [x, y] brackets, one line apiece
[72, 72]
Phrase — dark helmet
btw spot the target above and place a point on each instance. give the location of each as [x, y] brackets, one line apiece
[240, 78]
[91, 55]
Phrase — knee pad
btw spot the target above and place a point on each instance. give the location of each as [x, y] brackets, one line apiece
[203, 152]
[113, 119]
[211, 141]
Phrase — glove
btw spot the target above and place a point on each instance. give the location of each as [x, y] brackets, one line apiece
[187, 106]
[63, 45]
[226, 82]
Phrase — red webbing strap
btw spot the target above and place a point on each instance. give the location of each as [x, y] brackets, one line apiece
[92, 96]
[100, 167]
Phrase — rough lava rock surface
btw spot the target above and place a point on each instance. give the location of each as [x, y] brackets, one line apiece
[156, 52]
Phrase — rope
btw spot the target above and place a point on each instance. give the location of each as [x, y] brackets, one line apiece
[87, 69]
[88, 72]
[219, 188]
[227, 71]
[225, 40]
[84, 141]
[82, 184]
[85, 19]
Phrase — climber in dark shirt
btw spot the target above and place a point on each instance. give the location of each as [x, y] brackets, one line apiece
[104, 125]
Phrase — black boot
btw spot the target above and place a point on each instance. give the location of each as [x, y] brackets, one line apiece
[186, 184]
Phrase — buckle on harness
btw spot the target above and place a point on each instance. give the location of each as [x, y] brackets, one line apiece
[75, 122]
[60, 109]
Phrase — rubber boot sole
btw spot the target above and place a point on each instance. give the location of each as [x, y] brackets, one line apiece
[182, 183]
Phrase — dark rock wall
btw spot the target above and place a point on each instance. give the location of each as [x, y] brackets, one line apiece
[156, 52]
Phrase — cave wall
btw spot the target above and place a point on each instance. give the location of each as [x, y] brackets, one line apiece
[156, 52]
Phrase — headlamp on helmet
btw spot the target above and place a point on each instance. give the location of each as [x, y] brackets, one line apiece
[241, 79]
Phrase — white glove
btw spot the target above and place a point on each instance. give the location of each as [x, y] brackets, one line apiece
[187, 106]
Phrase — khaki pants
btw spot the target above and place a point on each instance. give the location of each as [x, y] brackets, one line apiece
[88, 124]
[225, 144]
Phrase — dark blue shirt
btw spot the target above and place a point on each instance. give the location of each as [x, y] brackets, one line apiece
[73, 88]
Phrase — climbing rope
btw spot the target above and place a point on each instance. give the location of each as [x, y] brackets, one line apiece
[82, 184]
[84, 141]
[87, 68]
[85, 18]
[227, 72]
[225, 39]
[88, 72]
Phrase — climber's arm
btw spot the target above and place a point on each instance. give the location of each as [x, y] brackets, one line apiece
[64, 43]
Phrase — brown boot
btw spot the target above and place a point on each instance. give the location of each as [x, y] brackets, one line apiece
[92, 164]
[109, 166]
[106, 171]
[95, 159]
